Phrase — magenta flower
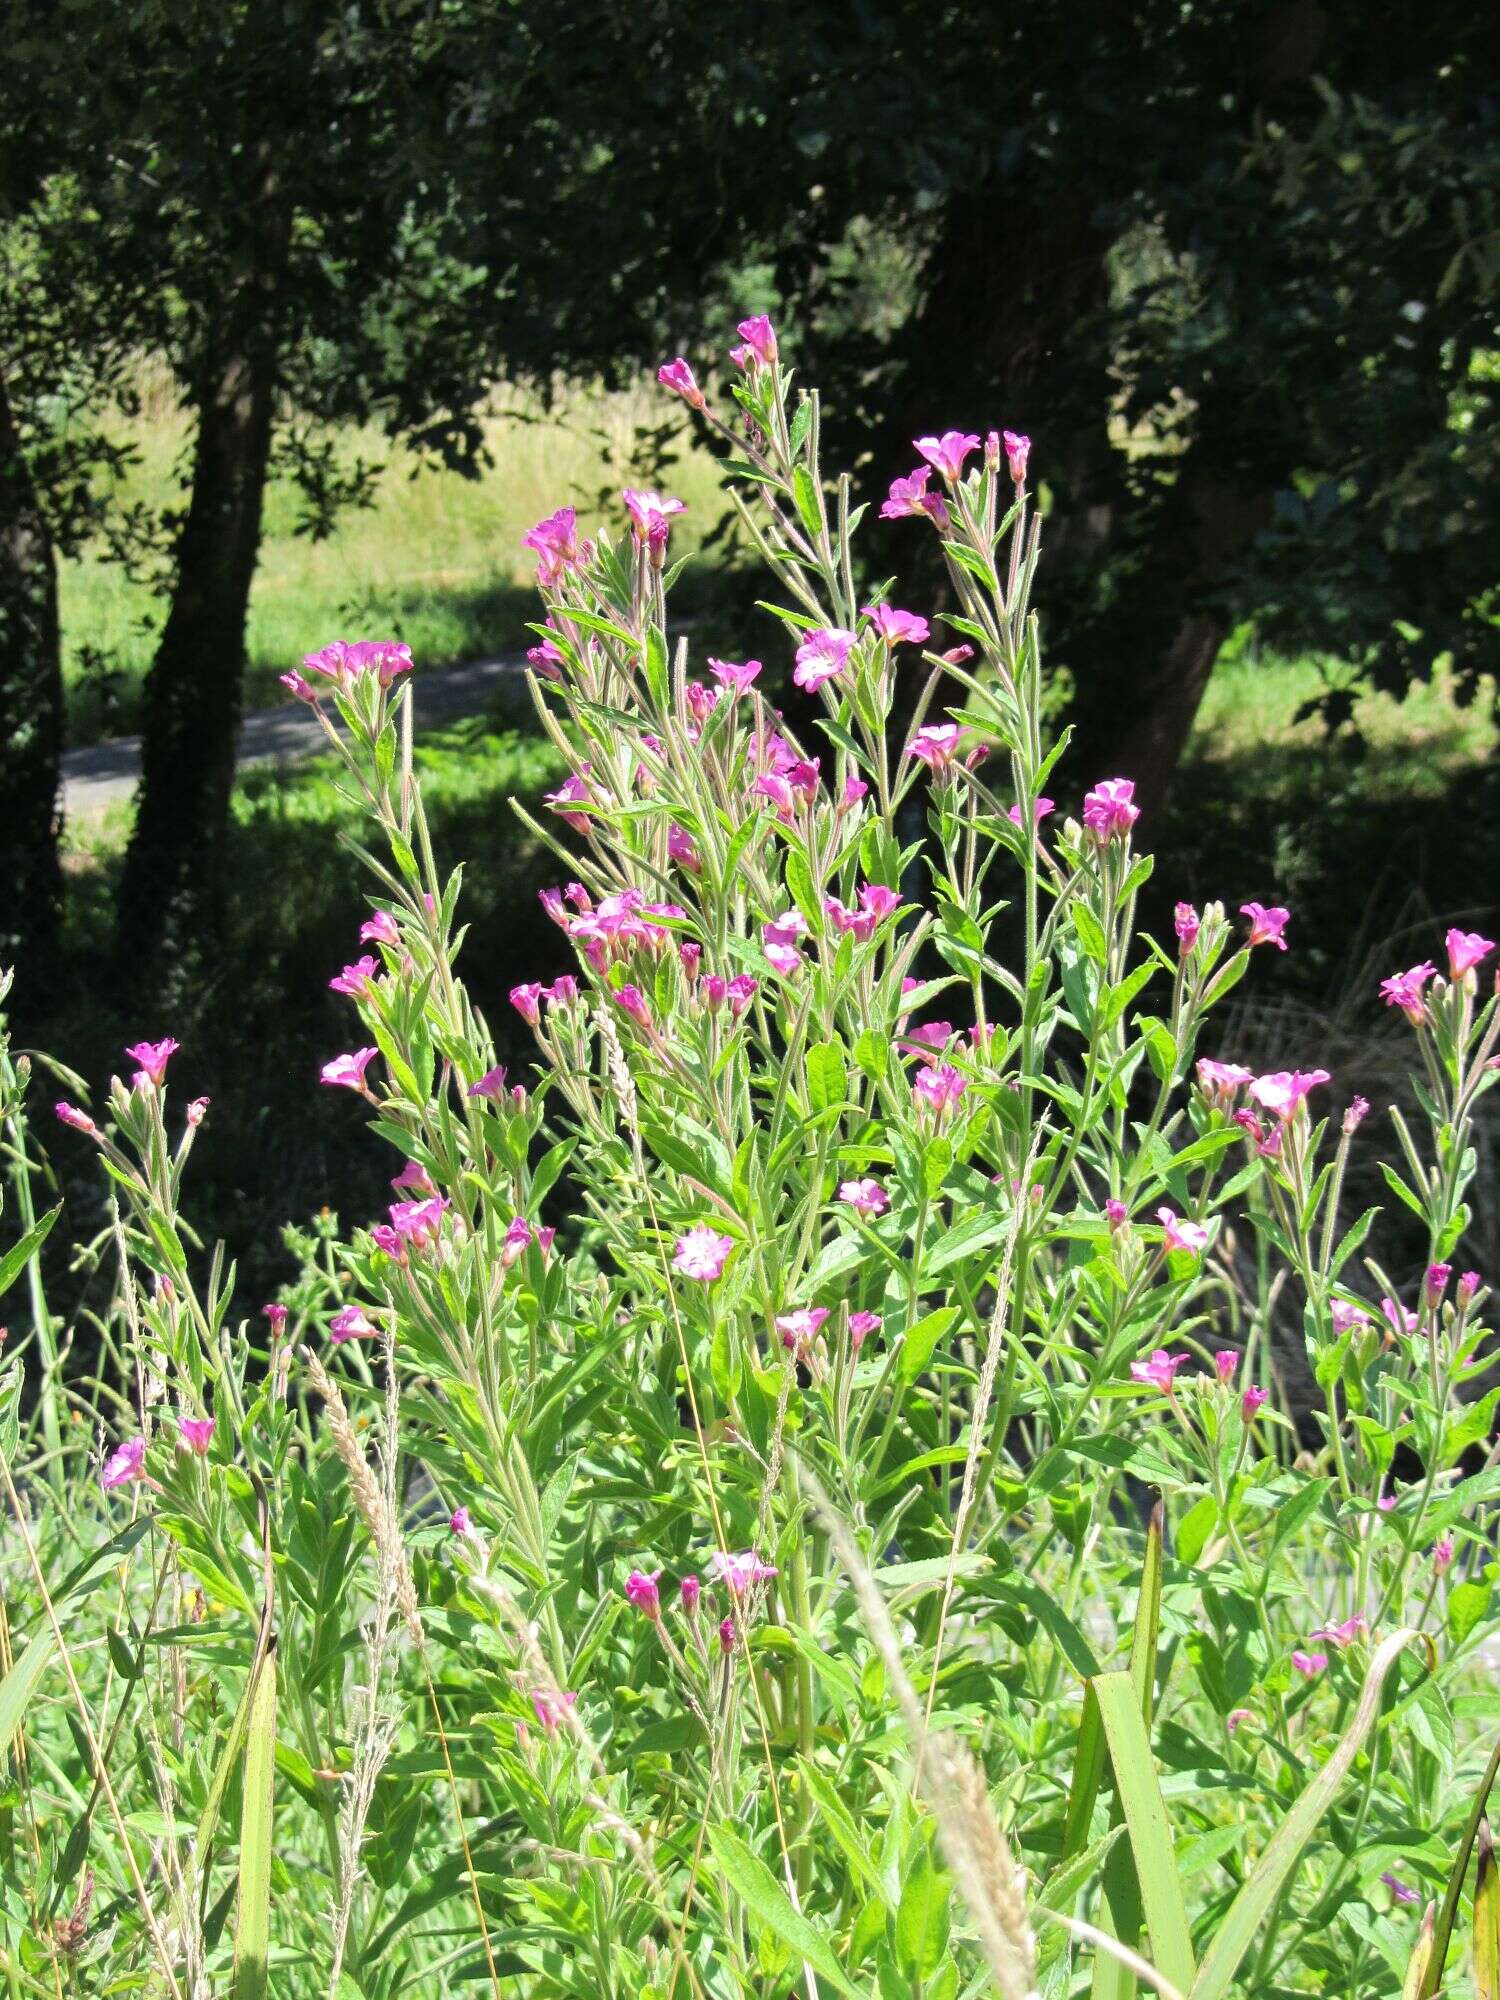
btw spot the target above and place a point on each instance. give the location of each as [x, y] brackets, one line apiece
[1284, 1090]
[866, 1197]
[1160, 1371]
[1109, 810]
[701, 1254]
[351, 1323]
[1355, 1115]
[1266, 926]
[1407, 990]
[798, 1329]
[691, 1588]
[909, 496]
[296, 685]
[1398, 1317]
[937, 1088]
[1186, 923]
[734, 676]
[651, 516]
[354, 978]
[1309, 1664]
[759, 336]
[1402, 1891]
[1181, 1235]
[1116, 1214]
[1466, 949]
[726, 1636]
[641, 1589]
[1442, 1555]
[1346, 1315]
[1252, 1400]
[379, 928]
[527, 1002]
[554, 542]
[1226, 1361]
[678, 377]
[460, 1522]
[1236, 1716]
[742, 990]
[195, 1434]
[124, 1465]
[822, 656]
[1436, 1283]
[898, 628]
[153, 1058]
[573, 791]
[779, 941]
[419, 1223]
[69, 1114]
[1219, 1081]
[936, 746]
[1345, 1634]
[197, 1111]
[1039, 812]
[518, 1240]
[1468, 1285]
[1017, 451]
[552, 1710]
[349, 1070]
[630, 1000]
[546, 657]
[740, 1573]
[563, 992]
[490, 1085]
[277, 1316]
[861, 1326]
[680, 849]
[946, 454]
[343, 662]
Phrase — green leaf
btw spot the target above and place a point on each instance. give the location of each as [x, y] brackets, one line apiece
[1147, 1825]
[872, 1053]
[827, 1076]
[19, 1255]
[921, 1339]
[20, 1683]
[760, 1892]
[252, 1938]
[922, 1919]
[805, 493]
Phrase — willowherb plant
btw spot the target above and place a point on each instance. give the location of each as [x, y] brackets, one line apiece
[775, 1553]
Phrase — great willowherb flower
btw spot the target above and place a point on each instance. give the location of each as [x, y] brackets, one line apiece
[1442, 1555]
[691, 1589]
[460, 1521]
[1226, 1361]
[343, 662]
[1355, 1114]
[1436, 1283]
[779, 941]
[680, 849]
[563, 992]
[1039, 812]
[296, 685]
[1251, 1401]
[798, 1329]
[1182, 1235]
[379, 928]
[1219, 1081]
[936, 746]
[1017, 451]
[641, 1589]
[1187, 923]
[1399, 1318]
[1266, 926]
[861, 1326]
[946, 454]
[1466, 949]
[125, 1464]
[1236, 1716]
[651, 516]
[678, 377]
[701, 1254]
[518, 1240]
[822, 655]
[153, 1058]
[69, 1114]
[759, 336]
[1346, 1315]
[741, 1572]
[490, 1085]
[554, 542]
[546, 657]
[1468, 1285]
[898, 628]
[1346, 1633]
[1116, 1214]
[419, 1223]
[734, 676]
[195, 1434]
[909, 496]
[351, 1323]
[551, 1710]
[1309, 1664]
[742, 990]
[866, 1197]
[573, 791]
[938, 1088]
[1285, 1090]
[1159, 1371]
[527, 1001]
[349, 1070]
[630, 1000]
[1402, 1891]
[277, 1316]
[1109, 810]
[354, 979]
[726, 1636]
[197, 1111]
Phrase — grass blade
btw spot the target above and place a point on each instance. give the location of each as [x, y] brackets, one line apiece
[1267, 1879]
[252, 1940]
[19, 1685]
[1486, 1920]
[1448, 1914]
[1157, 1881]
[1421, 1958]
[1143, 1639]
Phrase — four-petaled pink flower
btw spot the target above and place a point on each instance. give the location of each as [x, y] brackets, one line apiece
[1399, 1318]
[938, 1088]
[1116, 1214]
[554, 542]
[946, 454]
[573, 791]
[822, 656]
[1442, 1555]
[861, 1326]
[726, 1636]
[1436, 1283]
[527, 1001]
[195, 1434]
[1346, 1315]
[351, 1323]
[1039, 812]
[910, 496]
[701, 1253]
[1346, 1633]
[1160, 1371]
[344, 662]
[1219, 1081]
[419, 1223]
[1226, 1361]
[797, 1329]
[1017, 451]
[1402, 1891]
[1309, 1664]
[691, 1589]
[354, 978]
[1182, 1235]
[759, 336]
[678, 377]
[552, 1710]
[641, 1589]
[937, 745]
[898, 628]
[866, 1197]
[1266, 926]
[153, 1058]
[124, 1465]
[1236, 1716]
[734, 676]
[1284, 1090]
[490, 1085]
[651, 515]
[779, 941]
[518, 1240]
[1187, 923]
[349, 1070]
[741, 1572]
[1109, 810]
[630, 1000]
[379, 928]
[1466, 949]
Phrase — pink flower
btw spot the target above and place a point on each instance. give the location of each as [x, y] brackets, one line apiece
[197, 1111]
[898, 628]
[760, 337]
[1109, 810]
[1266, 926]
[861, 1326]
[1251, 1401]
[351, 1324]
[938, 1088]
[277, 1315]
[1017, 451]
[798, 1329]
[1160, 1371]
[734, 676]
[1180, 1235]
[1186, 923]
[296, 685]
[691, 1588]
[195, 1434]
[1442, 1555]
[1466, 949]
[552, 1710]
[651, 515]
[380, 928]
[349, 1070]
[354, 978]
[779, 940]
[344, 663]
[1358, 1110]
[742, 990]
[1468, 1285]
[69, 1114]
[546, 657]
[1116, 1214]
[490, 1085]
[518, 1240]
[867, 1197]
[1225, 1364]
[822, 656]
[1345, 1634]
[124, 1465]
[563, 992]
[910, 496]
[1436, 1283]
[740, 1573]
[555, 544]
[1219, 1081]
[1236, 1716]
[419, 1223]
[460, 1522]
[1039, 812]
[1406, 990]
[1284, 1090]
[1402, 1891]
[153, 1058]
[1309, 1664]
[1346, 1315]
[527, 1002]
[678, 377]
[936, 746]
[701, 1254]
[680, 849]
[726, 1636]
[1397, 1317]
[642, 1591]
[631, 1000]
[948, 452]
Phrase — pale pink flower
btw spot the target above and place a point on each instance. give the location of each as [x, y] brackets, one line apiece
[1160, 1371]
[551, 1710]
[563, 992]
[194, 1434]
[701, 1254]
[1284, 1090]
[641, 1589]
[296, 685]
[651, 515]
[125, 1464]
[1252, 1400]
[1226, 1361]
[1344, 1634]
[1187, 923]
[349, 1070]
[779, 941]
[573, 791]
[153, 1058]
[546, 657]
[741, 1572]
[1182, 1235]
[197, 1111]
[898, 628]
[861, 1326]
[1468, 1285]
[1442, 1555]
[678, 377]
[936, 746]
[419, 1223]
[1116, 1214]
[822, 656]
[1346, 1315]
[691, 1589]
[1219, 1081]
[938, 1088]
[69, 1114]
[1109, 810]
[1039, 812]
[1466, 949]
[680, 849]
[734, 676]
[354, 978]
[554, 542]
[948, 452]
[798, 1329]
[1397, 1317]
[1309, 1664]
[742, 990]
[910, 496]
[1017, 451]
[351, 1323]
[1266, 926]
[865, 1197]
[759, 336]
[490, 1085]
[379, 928]
[1355, 1115]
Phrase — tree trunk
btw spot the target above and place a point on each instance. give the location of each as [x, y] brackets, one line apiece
[171, 899]
[31, 725]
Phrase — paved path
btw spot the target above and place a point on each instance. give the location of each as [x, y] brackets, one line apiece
[105, 774]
